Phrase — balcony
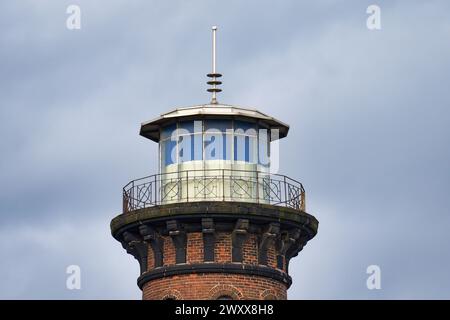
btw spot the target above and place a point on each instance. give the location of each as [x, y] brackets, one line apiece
[213, 185]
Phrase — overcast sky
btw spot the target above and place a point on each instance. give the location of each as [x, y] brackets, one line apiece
[369, 112]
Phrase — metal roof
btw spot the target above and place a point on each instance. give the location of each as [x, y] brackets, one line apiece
[150, 129]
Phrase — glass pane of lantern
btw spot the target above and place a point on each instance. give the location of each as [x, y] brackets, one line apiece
[216, 143]
[251, 149]
[185, 150]
[197, 146]
[169, 151]
[214, 146]
[264, 147]
[190, 147]
[166, 132]
[227, 146]
[245, 148]
[239, 148]
[218, 125]
[243, 127]
[186, 127]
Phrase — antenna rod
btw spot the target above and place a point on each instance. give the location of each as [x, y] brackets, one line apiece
[214, 75]
[214, 28]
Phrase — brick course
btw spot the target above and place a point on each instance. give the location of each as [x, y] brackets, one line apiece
[213, 286]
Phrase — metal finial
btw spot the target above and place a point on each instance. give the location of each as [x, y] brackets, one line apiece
[214, 82]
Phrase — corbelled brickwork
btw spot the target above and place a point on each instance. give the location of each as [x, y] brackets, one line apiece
[222, 251]
[187, 254]
[214, 285]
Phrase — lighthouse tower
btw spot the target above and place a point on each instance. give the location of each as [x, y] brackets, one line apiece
[216, 222]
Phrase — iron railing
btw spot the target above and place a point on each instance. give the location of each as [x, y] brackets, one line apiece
[213, 185]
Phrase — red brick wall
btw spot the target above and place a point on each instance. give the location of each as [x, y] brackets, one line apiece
[272, 257]
[150, 259]
[211, 286]
[169, 251]
[194, 247]
[222, 250]
[249, 250]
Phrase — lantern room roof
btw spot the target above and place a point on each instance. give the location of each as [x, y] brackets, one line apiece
[151, 129]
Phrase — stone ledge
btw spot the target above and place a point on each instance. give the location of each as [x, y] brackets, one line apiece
[215, 209]
[220, 268]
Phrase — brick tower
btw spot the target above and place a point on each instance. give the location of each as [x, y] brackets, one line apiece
[215, 222]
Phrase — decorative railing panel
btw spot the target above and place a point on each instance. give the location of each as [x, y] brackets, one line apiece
[213, 185]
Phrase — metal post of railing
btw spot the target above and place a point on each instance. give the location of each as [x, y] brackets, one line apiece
[156, 189]
[132, 200]
[204, 183]
[257, 187]
[285, 192]
[124, 202]
[223, 184]
[303, 198]
[187, 186]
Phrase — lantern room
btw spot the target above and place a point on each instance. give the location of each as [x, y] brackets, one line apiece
[216, 152]
[214, 137]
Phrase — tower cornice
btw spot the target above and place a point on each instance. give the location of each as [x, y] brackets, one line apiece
[215, 209]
